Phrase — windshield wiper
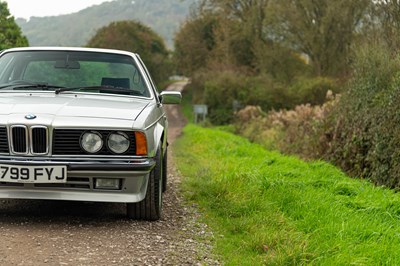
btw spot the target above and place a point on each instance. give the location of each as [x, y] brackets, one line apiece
[29, 85]
[102, 89]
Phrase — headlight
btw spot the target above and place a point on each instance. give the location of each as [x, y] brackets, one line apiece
[118, 142]
[91, 142]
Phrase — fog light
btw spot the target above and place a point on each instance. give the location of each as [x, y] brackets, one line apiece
[107, 183]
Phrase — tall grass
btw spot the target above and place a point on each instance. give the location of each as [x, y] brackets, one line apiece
[266, 208]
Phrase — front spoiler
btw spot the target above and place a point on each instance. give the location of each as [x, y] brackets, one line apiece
[71, 195]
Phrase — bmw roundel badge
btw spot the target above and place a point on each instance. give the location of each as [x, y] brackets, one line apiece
[30, 116]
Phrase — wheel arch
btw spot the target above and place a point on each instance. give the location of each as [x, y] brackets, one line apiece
[159, 138]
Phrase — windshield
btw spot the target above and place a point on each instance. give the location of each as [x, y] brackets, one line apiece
[38, 70]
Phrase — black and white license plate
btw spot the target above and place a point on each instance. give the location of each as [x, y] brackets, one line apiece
[33, 174]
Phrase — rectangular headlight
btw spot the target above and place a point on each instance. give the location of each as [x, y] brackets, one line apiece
[107, 183]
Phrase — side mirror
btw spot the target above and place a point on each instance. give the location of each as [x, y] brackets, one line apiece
[170, 97]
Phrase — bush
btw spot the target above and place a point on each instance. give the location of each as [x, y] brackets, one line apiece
[312, 90]
[301, 131]
[365, 141]
[360, 133]
[226, 92]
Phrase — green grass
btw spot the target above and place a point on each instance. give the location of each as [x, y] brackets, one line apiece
[268, 209]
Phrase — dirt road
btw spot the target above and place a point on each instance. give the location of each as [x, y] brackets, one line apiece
[81, 233]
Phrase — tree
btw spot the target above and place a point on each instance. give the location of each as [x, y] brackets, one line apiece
[386, 23]
[232, 35]
[239, 31]
[138, 38]
[321, 29]
[194, 43]
[10, 33]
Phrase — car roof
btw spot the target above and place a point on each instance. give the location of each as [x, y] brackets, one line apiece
[74, 49]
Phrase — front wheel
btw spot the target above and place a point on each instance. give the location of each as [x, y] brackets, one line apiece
[150, 207]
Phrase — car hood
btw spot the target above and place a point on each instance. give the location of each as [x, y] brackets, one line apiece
[71, 105]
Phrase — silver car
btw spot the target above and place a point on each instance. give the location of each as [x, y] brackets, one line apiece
[82, 124]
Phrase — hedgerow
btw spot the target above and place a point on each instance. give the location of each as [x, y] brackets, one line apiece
[366, 137]
[360, 132]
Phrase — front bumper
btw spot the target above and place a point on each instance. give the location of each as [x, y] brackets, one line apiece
[132, 173]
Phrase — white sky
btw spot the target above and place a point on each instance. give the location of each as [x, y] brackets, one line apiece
[41, 8]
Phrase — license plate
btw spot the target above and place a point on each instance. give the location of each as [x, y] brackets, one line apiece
[33, 174]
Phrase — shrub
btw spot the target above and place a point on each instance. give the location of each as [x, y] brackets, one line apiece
[312, 90]
[360, 133]
[227, 91]
[196, 86]
[365, 141]
[222, 90]
[302, 131]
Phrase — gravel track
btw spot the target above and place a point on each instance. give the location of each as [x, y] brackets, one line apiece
[37, 232]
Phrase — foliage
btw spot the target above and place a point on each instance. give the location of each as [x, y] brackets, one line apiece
[281, 63]
[322, 29]
[302, 131]
[271, 36]
[163, 16]
[258, 52]
[135, 37]
[10, 33]
[365, 140]
[269, 209]
[356, 41]
[311, 91]
[229, 35]
[359, 133]
[240, 30]
[193, 44]
[186, 104]
[225, 92]
[385, 25]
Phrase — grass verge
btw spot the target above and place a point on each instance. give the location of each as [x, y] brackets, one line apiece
[266, 208]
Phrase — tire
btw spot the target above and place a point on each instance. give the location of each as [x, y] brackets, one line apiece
[150, 207]
[164, 171]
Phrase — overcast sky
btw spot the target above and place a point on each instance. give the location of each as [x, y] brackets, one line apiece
[41, 8]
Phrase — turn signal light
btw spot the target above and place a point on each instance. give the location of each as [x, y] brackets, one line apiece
[141, 143]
